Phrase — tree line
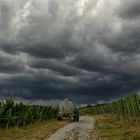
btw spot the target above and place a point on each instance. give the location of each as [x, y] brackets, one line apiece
[18, 114]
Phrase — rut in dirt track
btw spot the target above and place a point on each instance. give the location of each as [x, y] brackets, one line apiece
[81, 130]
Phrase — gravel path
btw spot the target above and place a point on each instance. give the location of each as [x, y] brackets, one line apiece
[81, 130]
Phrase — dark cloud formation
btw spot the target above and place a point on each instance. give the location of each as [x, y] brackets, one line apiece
[87, 50]
[131, 9]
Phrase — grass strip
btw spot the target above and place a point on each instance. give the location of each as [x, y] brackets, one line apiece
[36, 131]
[111, 128]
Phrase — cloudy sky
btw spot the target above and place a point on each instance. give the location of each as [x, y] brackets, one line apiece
[87, 50]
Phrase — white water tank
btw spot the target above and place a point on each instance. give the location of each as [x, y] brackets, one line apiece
[67, 106]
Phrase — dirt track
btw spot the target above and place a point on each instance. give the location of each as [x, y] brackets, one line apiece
[76, 131]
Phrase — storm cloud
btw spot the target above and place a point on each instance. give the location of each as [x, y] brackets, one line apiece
[87, 50]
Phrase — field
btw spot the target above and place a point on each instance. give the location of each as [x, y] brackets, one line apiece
[27, 122]
[36, 131]
[18, 114]
[118, 120]
[127, 108]
[111, 128]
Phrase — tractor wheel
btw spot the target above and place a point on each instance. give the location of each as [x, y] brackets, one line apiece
[59, 118]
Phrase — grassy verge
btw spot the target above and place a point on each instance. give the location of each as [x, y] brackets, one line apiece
[110, 128]
[36, 131]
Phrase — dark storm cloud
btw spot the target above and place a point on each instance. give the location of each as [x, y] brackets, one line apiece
[9, 47]
[127, 41]
[88, 50]
[131, 9]
[46, 51]
[10, 64]
[57, 66]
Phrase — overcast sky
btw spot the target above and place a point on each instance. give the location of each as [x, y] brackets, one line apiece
[87, 50]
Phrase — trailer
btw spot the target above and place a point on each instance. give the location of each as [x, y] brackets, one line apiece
[68, 110]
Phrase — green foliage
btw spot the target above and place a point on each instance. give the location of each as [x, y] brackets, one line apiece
[128, 108]
[125, 106]
[86, 110]
[18, 114]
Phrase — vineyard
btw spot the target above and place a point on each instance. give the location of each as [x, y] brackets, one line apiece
[18, 114]
[127, 108]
